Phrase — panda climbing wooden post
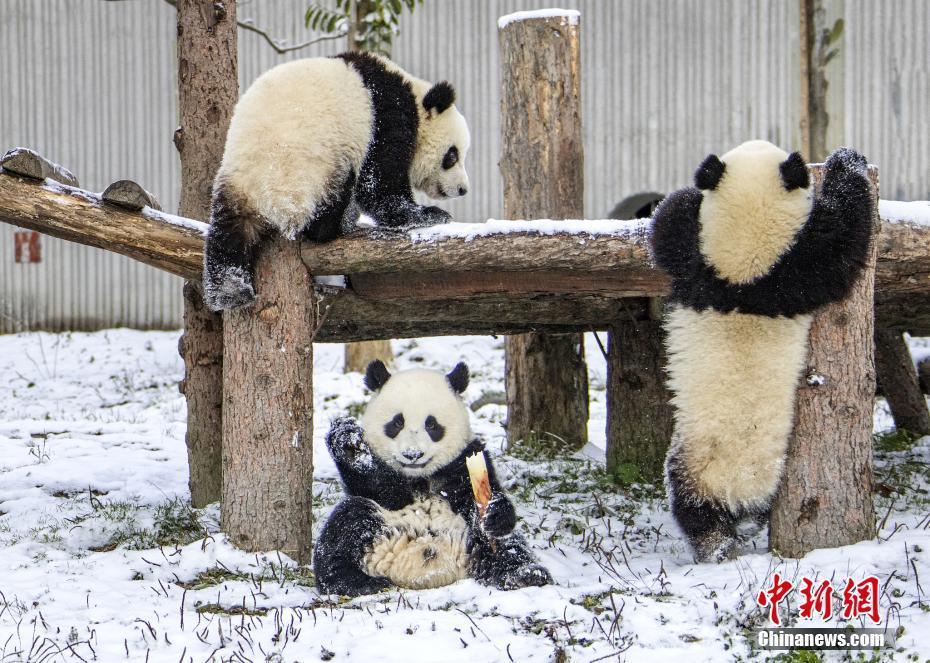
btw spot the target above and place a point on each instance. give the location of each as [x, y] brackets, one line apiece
[825, 496]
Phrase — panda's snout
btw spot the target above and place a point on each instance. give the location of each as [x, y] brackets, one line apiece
[463, 190]
[412, 455]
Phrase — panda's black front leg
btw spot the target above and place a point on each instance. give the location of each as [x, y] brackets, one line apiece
[364, 474]
[385, 195]
[830, 251]
[339, 553]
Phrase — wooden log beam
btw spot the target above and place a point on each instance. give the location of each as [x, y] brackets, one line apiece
[396, 268]
[168, 242]
[899, 382]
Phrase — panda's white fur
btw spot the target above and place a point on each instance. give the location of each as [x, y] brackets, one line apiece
[304, 125]
[734, 378]
[424, 546]
[417, 394]
[748, 220]
[283, 112]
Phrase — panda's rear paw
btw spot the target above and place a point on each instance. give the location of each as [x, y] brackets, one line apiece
[230, 289]
[529, 575]
[715, 547]
[848, 160]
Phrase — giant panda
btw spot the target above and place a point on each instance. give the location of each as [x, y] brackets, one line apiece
[752, 253]
[409, 516]
[314, 142]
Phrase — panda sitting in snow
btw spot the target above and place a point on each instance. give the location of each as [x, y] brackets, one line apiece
[410, 517]
[314, 142]
[752, 253]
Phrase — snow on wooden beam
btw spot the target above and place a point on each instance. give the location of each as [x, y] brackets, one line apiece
[497, 270]
[171, 243]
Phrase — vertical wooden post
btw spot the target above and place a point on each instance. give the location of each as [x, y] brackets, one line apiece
[268, 408]
[825, 496]
[542, 164]
[361, 353]
[639, 411]
[898, 379]
[208, 88]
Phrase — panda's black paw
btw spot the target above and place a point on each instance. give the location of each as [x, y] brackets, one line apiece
[846, 160]
[500, 518]
[346, 443]
[434, 216]
[231, 288]
[529, 575]
[362, 585]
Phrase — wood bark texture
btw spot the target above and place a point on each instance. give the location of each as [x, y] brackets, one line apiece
[639, 411]
[208, 89]
[542, 164]
[897, 377]
[825, 496]
[268, 409]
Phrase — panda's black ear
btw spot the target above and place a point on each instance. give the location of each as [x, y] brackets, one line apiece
[440, 97]
[376, 375]
[709, 173]
[794, 173]
[458, 378]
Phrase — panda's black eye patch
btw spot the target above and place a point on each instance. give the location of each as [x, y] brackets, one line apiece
[394, 426]
[434, 429]
[451, 158]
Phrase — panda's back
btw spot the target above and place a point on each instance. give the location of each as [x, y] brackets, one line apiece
[295, 135]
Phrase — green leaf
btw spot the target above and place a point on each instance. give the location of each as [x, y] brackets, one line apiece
[836, 32]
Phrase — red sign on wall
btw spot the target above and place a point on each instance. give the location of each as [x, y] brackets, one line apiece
[27, 246]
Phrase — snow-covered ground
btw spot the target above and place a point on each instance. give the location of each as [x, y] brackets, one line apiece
[101, 557]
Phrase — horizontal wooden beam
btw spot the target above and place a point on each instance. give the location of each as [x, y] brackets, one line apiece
[460, 279]
[168, 242]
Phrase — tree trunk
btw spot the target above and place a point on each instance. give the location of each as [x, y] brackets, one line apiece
[268, 408]
[898, 380]
[825, 496]
[207, 92]
[639, 411]
[359, 355]
[542, 164]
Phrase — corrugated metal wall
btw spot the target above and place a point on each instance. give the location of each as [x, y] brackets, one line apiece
[887, 92]
[91, 84]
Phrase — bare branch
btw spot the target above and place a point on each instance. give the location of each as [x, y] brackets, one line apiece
[286, 49]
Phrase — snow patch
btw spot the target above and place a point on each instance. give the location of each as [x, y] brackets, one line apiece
[590, 227]
[572, 16]
[897, 211]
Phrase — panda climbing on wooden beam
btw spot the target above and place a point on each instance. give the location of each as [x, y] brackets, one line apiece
[314, 142]
[752, 254]
[410, 516]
